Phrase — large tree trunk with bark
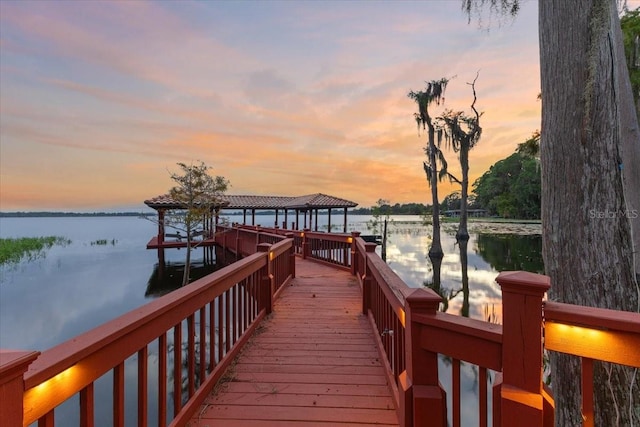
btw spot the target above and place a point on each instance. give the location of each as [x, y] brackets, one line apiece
[587, 239]
[630, 134]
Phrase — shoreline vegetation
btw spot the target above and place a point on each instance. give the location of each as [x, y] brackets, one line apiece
[14, 250]
[359, 211]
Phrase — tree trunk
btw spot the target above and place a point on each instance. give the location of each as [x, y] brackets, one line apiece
[587, 244]
[630, 133]
[464, 264]
[187, 262]
[463, 233]
[435, 251]
[384, 241]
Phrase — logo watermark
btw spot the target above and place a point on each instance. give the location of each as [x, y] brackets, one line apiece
[607, 214]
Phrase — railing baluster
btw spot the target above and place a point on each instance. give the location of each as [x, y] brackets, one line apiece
[47, 420]
[191, 355]
[212, 335]
[227, 322]
[142, 386]
[455, 387]
[118, 395]
[482, 392]
[587, 392]
[203, 344]
[177, 368]
[235, 319]
[220, 333]
[385, 327]
[87, 418]
[242, 296]
[255, 295]
[162, 380]
[397, 362]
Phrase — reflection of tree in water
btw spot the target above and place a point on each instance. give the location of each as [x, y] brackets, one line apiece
[511, 252]
[448, 294]
[198, 380]
[472, 379]
[167, 277]
[464, 261]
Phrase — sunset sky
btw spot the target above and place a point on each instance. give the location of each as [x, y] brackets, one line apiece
[99, 100]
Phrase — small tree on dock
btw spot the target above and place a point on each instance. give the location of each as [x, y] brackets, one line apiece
[199, 195]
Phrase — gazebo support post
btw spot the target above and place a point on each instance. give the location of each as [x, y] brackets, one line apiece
[317, 210]
[345, 221]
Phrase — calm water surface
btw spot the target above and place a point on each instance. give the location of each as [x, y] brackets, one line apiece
[71, 289]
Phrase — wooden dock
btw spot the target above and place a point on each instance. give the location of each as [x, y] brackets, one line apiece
[312, 362]
[154, 243]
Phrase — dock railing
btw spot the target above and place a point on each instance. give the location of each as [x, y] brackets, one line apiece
[197, 331]
[412, 334]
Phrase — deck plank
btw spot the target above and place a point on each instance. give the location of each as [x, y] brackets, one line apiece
[313, 362]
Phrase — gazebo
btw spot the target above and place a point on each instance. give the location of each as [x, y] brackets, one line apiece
[309, 206]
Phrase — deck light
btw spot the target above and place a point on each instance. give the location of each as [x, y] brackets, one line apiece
[602, 344]
[56, 381]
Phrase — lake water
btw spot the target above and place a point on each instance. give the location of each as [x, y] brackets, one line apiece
[73, 288]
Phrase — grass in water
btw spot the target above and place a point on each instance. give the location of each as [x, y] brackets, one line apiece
[13, 250]
[103, 242]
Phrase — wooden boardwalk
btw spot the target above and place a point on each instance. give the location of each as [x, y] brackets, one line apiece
[313, 362]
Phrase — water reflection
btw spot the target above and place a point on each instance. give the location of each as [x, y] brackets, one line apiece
[493, 252]
[465, 276]
[511, 251]
[167, 276]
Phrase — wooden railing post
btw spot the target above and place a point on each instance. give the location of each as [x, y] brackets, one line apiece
[292, 256]
[422, 399]
[366, 279]
[305, 243]
[13, 365]
[354, 262]
[267, 284]
[521, 389]
[238, 251]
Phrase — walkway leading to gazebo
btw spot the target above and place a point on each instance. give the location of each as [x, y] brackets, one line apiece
[313, 360]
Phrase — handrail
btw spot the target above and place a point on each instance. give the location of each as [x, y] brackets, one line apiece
[594, 333]
[469, 340]
[598, 318]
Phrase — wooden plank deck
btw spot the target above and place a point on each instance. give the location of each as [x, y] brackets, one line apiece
[313, 362]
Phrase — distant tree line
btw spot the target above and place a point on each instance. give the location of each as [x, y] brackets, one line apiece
[43, 214]
[511, 188]
[397, 209]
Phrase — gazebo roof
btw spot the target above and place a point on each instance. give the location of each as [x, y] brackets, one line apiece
[310, 201]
